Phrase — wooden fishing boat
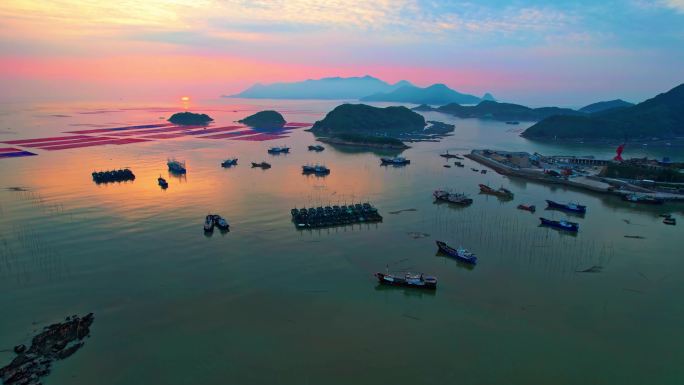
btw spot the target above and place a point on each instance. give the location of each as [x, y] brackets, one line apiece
[571, 207]
[501, 192]
[530, 208]
[262, 165]
[563, 224]
[461, 254]
[408, 280]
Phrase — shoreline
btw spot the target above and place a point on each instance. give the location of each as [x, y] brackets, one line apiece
[591, 183]
[341, 142]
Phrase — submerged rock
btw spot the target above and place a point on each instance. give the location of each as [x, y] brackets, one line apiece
[55, 342]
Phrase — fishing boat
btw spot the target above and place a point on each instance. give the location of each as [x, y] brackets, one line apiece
[220, 222]
[670, 221]
[446, 166]
[262, 165]
[530, 208]
[501, 192]
[315, 169]
[456, 198]
[408, 280]
[162, 182]
[474, 169]
[460, 253]
[513, 122]
[449, 156]
[483, 171]
[563, 224]
[317, 148]
[572, 207]
[209, 223]
[644, 199]
[176, 166]
[279, 150]
[229, 162]
[459, 164]
[395, 161]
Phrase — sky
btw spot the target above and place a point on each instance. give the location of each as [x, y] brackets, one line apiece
[527, 51]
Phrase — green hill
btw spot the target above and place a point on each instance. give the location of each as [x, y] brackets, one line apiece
[661, 117]
[264, 119]
[368, 120]
[504, 111]
[190, 118]
[604, 106]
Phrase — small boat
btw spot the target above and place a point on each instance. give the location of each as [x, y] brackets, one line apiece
[447, 166]
[460, 253]
[483, 171]
[162, 182]
[315, 169]
[501, 192]
[449, 156]
[456, 198]
[279, 150]
[317, 148]
[530, 208]
[512, 122]
[644, 199]
[670, 221]
[396, 161]
[262, 165]
[459, 164]
[408, 280]
[209, 223]
[229, 162]
[572, 207]
[176, 166]
[220, 222]
[474, 169]
[563, 224]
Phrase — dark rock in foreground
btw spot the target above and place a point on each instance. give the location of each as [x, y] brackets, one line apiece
[190, 118]
[56, 342]
[264, 119]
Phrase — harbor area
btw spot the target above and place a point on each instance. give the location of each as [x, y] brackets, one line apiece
[642, 178]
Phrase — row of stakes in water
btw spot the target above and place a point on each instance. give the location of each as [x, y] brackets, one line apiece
[334, 215]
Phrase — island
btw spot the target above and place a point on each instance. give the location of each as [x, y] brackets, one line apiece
[658, 119]
[264, 119]
[190, 118]
[489, 109]
[368, 120]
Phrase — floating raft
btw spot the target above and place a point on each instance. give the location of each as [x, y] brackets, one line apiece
[113, 176]
[328, 216]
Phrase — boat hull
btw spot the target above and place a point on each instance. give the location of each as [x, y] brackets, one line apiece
[560, 206]
[450, 251]
[390, 280]
[570, 226]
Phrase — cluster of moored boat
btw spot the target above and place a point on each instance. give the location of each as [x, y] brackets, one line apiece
[215, 220]
[113, 176]
[316, 217]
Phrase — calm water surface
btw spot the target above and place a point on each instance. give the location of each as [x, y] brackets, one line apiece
[268, 304]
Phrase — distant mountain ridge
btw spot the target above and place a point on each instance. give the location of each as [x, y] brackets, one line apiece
[603, 106]
[325, 88]
[661, 117]
[488, 109]
[434, 94]
[366, 88]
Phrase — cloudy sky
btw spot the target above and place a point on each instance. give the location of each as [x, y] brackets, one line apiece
[528, 51]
